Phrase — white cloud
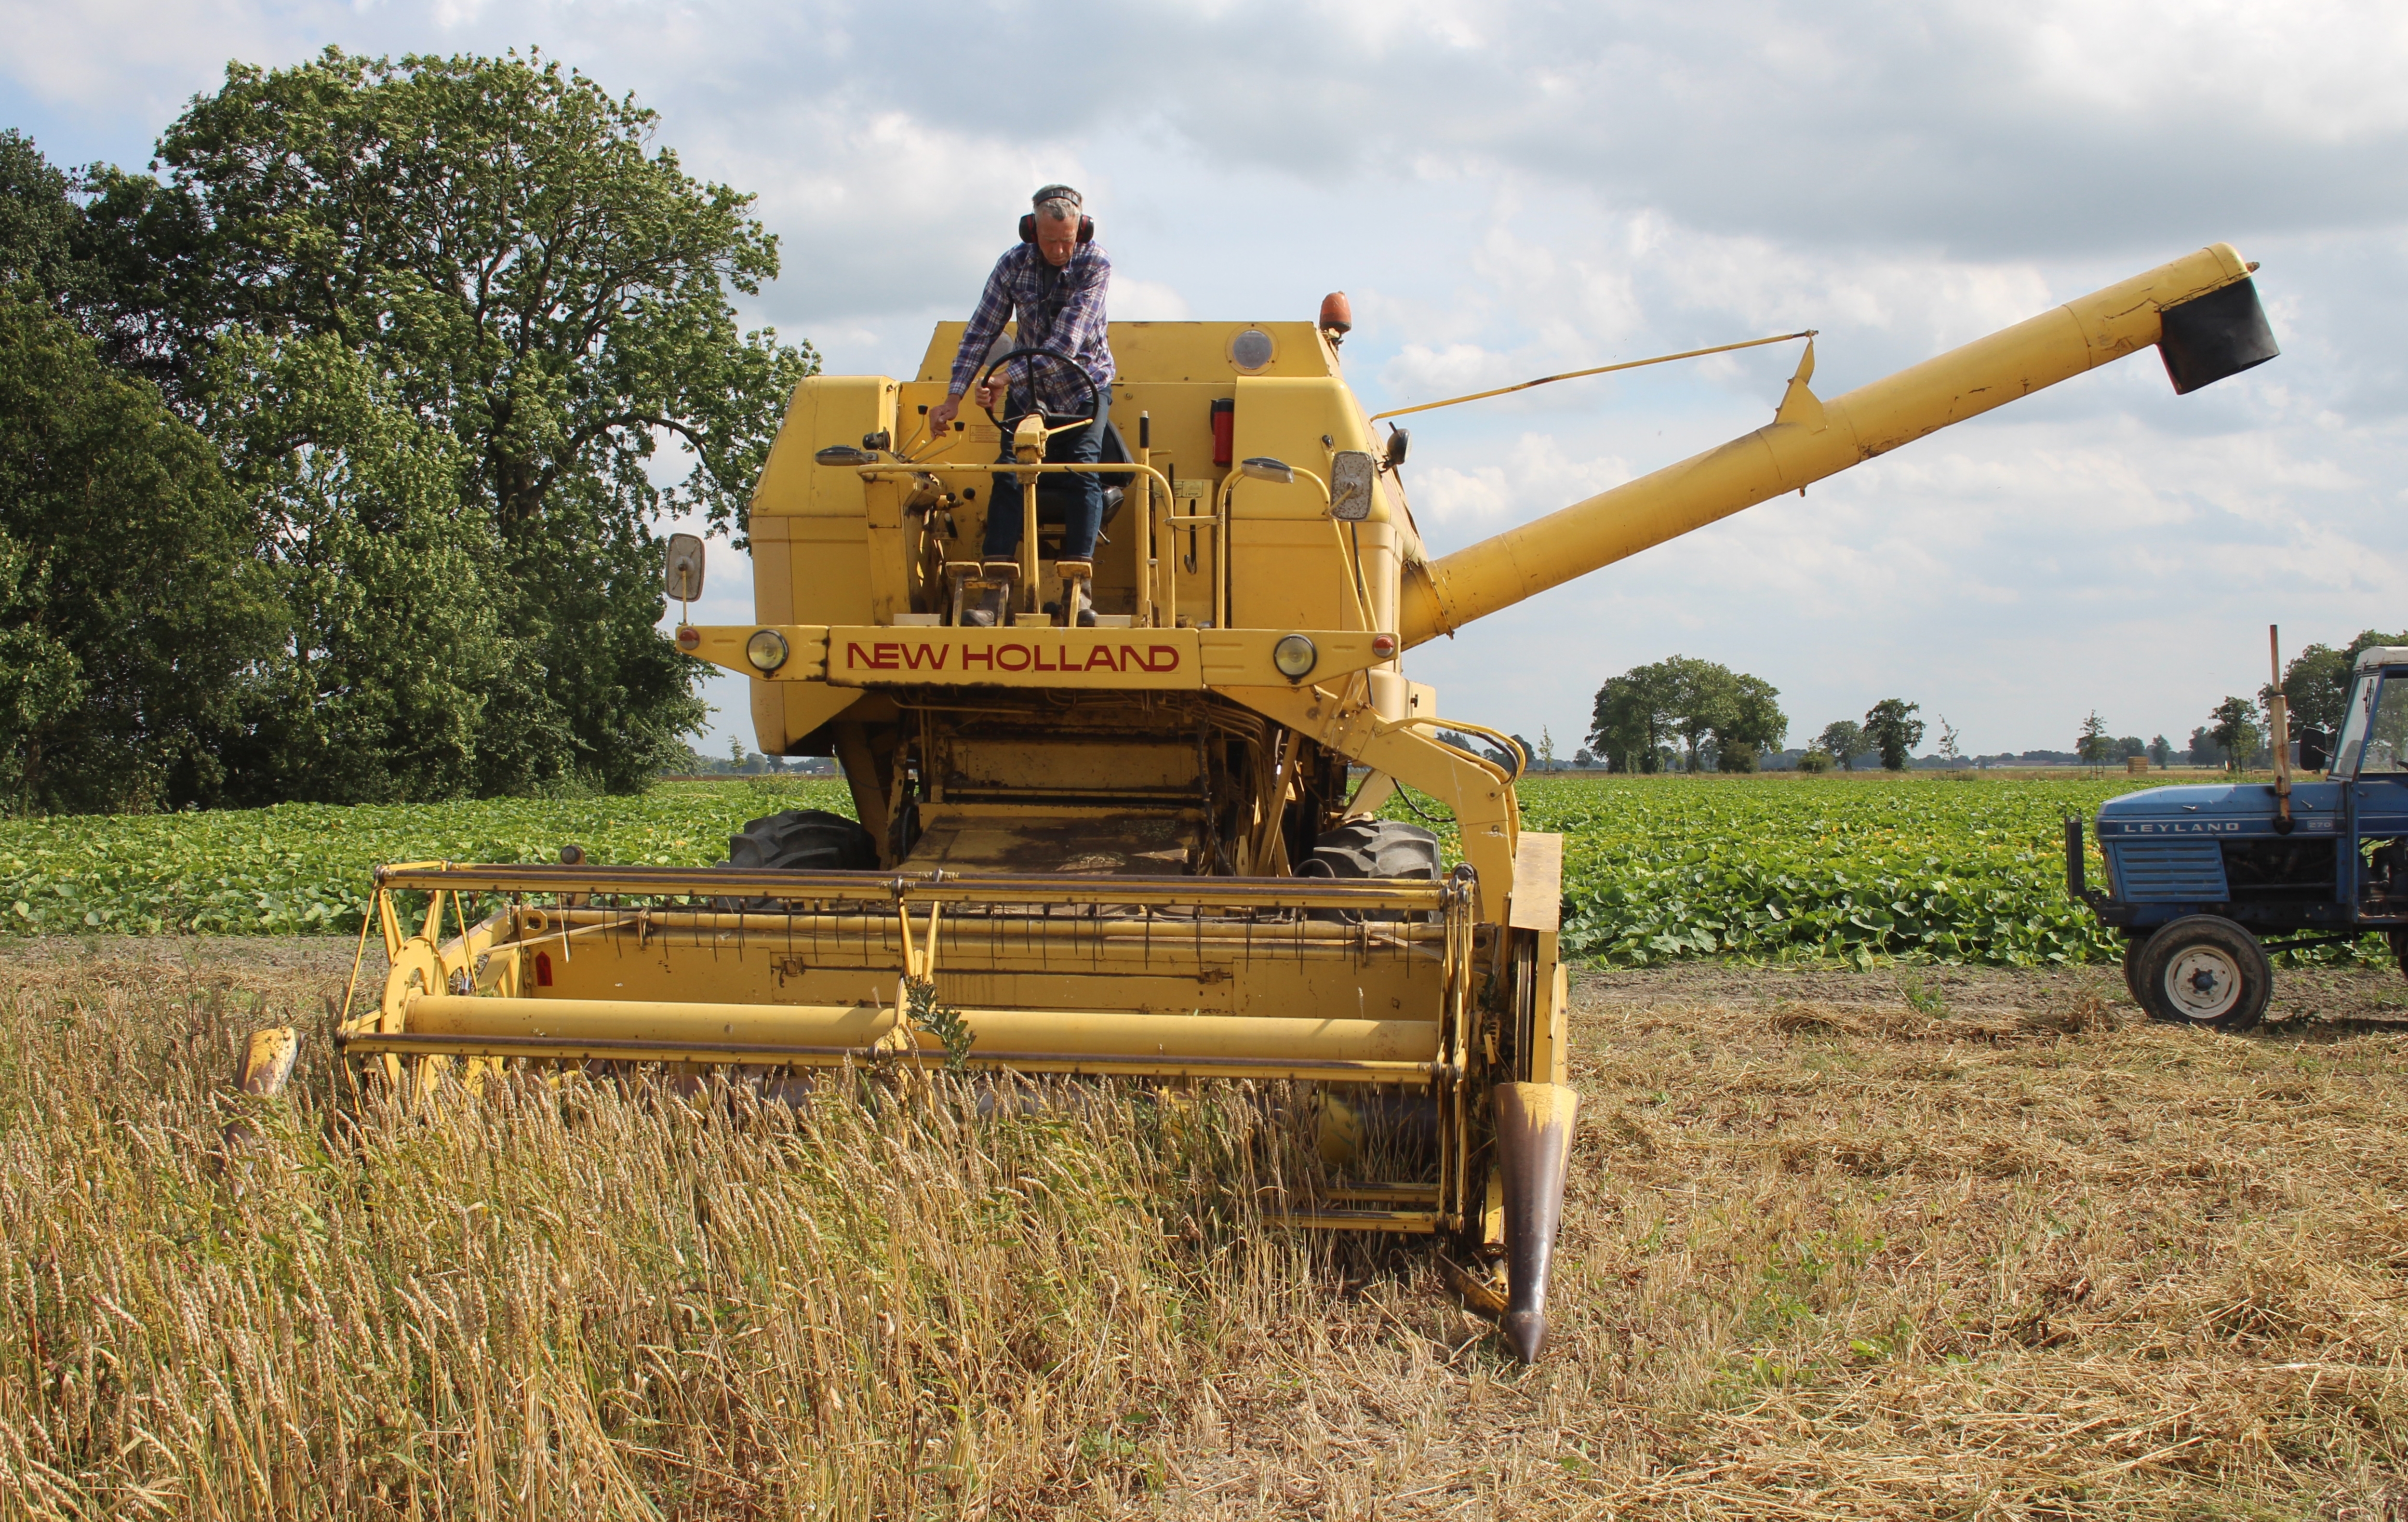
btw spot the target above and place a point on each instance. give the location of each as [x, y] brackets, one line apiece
[1535, 477]
[1146, 301]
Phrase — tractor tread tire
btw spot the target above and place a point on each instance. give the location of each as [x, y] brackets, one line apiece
[2134, 949]
[797, 840]
[1367, 849]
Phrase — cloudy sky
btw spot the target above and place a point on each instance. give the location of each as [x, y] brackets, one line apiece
[1513, 189]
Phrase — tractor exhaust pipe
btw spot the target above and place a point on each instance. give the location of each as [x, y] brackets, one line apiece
[1534, 1150]
[2201, 310]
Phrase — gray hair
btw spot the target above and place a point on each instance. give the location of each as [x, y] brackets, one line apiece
[1059, 209]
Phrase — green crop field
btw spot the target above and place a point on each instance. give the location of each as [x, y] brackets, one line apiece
[1848, 869]
[304, 867]
[1656, 869]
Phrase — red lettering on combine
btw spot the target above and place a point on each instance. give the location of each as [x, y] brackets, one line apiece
[934, 655]
[1162, 658]
[983, 657]
[890, 655]
[1101, 655]
[855, 655]
[1039, 664]
[1003, 655]
[1132, 659]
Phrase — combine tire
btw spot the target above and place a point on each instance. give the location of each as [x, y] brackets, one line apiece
[799, 840]
[802, 841]
[1372, 848]
[2206, 970]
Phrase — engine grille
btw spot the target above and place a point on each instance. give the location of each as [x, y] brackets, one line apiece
[2169, 871]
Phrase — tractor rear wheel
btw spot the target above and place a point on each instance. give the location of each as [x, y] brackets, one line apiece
[2206, 970]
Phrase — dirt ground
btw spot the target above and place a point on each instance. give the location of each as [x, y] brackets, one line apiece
[1906, 1242]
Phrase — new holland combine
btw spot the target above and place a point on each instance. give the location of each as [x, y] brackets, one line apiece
[1147, 847]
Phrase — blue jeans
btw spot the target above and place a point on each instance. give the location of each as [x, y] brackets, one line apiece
[1082, 499]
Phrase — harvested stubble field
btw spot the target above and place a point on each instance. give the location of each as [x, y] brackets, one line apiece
[1892, 1242]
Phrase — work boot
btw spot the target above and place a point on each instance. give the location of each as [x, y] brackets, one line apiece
[998, 577]
[1078, 602]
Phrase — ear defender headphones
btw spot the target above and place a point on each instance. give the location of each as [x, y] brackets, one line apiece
[1057, 193]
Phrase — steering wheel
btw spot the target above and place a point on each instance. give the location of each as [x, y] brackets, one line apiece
[1094, 395]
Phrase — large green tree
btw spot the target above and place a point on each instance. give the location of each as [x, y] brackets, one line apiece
[1698, 704]
[1750, 723]
[2316, 682]
[394, 658]
[1630, 724]
[1844, 740]
[40, 223]
[509, 261]
[2093, 745]
[136, 627]
[1891, 728]
[2233, 727]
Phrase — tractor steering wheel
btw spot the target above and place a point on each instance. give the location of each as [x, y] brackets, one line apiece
[1094, 395]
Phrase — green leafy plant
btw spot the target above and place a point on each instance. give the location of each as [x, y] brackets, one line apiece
[1920, 996]
[927, 1013]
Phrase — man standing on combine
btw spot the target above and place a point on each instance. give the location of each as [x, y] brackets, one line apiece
[1053, 283]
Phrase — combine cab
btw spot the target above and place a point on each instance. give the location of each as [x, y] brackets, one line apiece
[1146, 847]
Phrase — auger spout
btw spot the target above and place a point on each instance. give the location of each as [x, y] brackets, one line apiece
[2203, 307]
[1534, 1151]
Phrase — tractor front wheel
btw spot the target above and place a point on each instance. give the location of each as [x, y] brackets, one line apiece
[2206, 970]
[2133, 949]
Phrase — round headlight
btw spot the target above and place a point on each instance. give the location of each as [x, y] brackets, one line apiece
[1294, 656]
[765, 650]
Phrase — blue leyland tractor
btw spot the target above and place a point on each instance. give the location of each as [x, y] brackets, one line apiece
[2205, 881]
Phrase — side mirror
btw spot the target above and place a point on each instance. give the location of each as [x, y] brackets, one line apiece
[1349, 485]
[1262, 467]
[2316, 750]
[1399, 439]
[683, 579]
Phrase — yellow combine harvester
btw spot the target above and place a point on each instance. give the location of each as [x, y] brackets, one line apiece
[1146, 847]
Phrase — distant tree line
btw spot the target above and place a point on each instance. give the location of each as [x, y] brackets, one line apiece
[330, 452]
[740, 762]
[1683, 715]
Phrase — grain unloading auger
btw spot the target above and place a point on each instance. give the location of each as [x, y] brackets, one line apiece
[1145, 847]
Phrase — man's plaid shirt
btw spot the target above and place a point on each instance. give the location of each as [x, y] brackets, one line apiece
[1059, 309]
